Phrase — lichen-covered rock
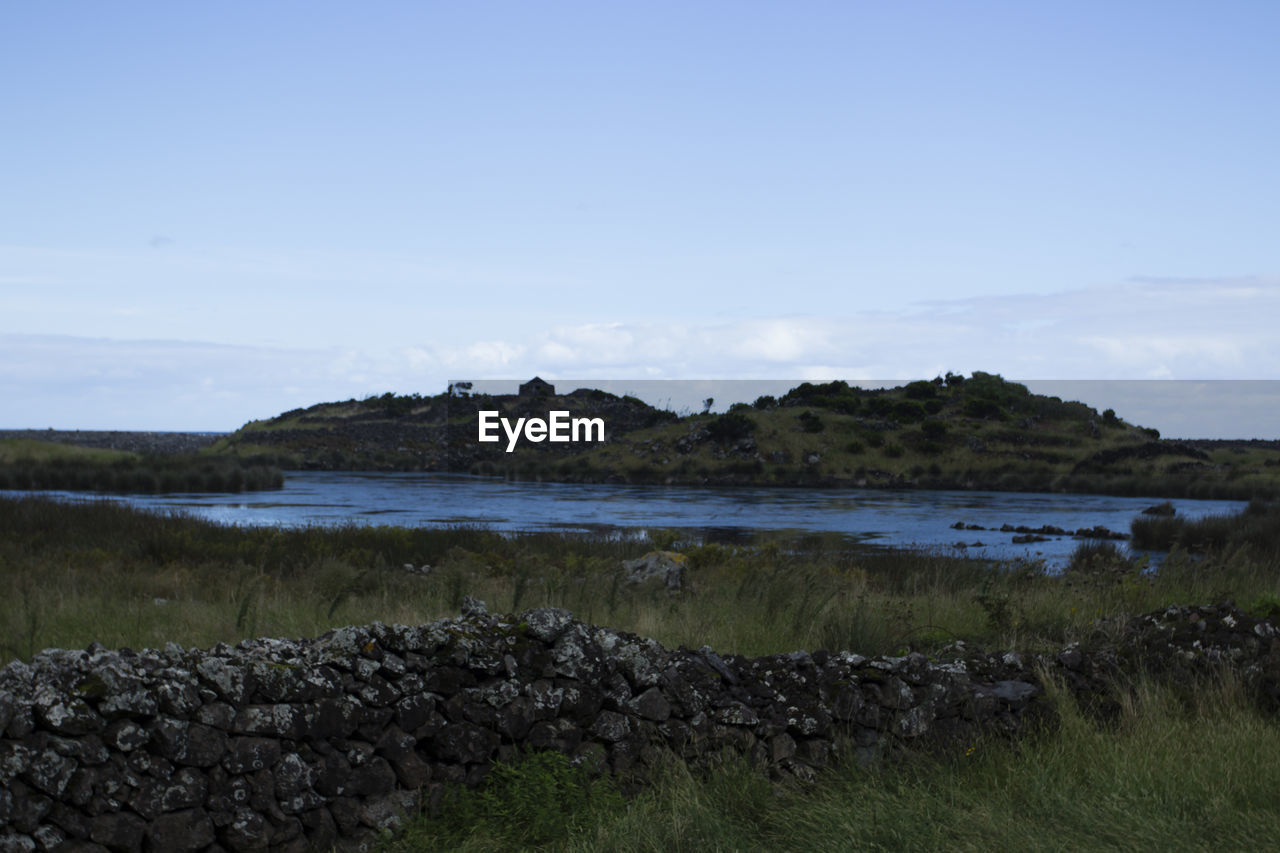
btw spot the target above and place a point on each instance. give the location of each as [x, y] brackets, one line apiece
[293, 745]
[668, 567]
[65, 714]
[546, 623]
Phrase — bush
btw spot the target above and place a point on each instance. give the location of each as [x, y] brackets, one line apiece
[907, 412]
[730, 427]
[982, 407]
[540, 800]
[1098, 556]
[919, 390]
[933, 429]
[811, 423]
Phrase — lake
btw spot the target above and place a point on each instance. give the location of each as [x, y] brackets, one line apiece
[870, 516]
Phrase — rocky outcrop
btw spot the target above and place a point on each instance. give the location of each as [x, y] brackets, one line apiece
[283, 745]
[298, 745]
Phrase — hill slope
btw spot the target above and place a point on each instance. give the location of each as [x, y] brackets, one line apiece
[981, 432]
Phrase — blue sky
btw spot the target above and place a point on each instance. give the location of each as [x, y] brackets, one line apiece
[215, 212]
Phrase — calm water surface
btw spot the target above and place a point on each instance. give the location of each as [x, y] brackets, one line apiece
[873, 516]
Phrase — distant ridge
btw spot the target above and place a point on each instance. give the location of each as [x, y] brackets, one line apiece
[980, 432]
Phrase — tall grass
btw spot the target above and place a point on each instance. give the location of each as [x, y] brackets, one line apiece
[1169, 774]
[1256, 527]
[1179, 770]
[98, 571]
[108, 472]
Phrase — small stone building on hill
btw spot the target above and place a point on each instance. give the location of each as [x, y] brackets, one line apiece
[537, 387]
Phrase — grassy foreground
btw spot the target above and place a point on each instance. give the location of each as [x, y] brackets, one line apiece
[1170, 776]
[1178, 771]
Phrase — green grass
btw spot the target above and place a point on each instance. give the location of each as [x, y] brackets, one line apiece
[13, 450]
[1178, 770]
[82, 469]
[1257, 528]
[1167, 775]
[80, 573]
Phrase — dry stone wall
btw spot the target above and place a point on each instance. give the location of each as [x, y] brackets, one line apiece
[311, 744]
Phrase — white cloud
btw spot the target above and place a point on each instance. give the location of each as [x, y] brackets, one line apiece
[1137, 330]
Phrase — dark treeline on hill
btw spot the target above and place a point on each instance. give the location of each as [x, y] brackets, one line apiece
[952, 432]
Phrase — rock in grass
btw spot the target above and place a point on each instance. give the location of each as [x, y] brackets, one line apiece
[667, 566]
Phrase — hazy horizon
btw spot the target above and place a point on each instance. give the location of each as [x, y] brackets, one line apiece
[1217, 409]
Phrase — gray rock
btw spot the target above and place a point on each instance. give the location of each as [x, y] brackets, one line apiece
[547, 623]
[1013, 691]
[248, 754]
[228, 680]
[29, 809]
[13, 842]
[611, 726]
[292, 776]
[218, 715]
[125, 735]
[278, 721]
[465, 743]
[204, 748]
[387, 813]
[64, 714]
[374, 777]
[139, 703]
[48, 771]
[246, 832]
[180, 832]
[652, 705]
[665, 566]
[119, 832]
[7, 705]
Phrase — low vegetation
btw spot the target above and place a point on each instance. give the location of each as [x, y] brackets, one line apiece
[1257, 528]
[39, 465]
[1168, 774]
[80, 572]
[1176, 770]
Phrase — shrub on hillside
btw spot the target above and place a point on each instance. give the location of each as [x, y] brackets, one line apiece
[811, 423]
[730, 427]
[933, 429]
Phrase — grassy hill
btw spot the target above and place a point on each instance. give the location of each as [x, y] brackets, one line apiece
[979, 432]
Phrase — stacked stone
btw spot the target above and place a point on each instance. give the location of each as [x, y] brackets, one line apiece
[279, 745]
[1179, 645]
